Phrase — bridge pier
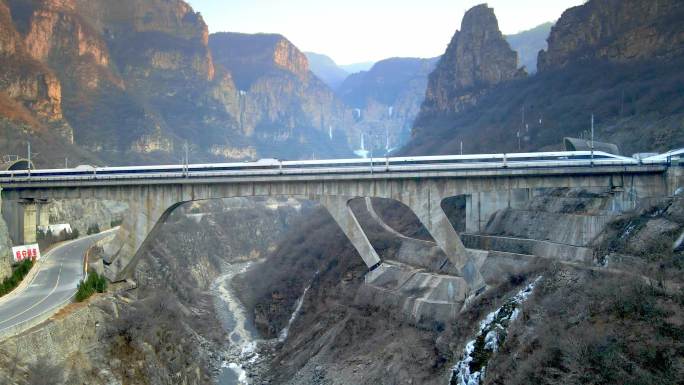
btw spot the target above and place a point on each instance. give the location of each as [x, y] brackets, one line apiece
[23, 217]
[338, 207]
[426, 204]
[148, 209]
[30, 226]
[43, 215]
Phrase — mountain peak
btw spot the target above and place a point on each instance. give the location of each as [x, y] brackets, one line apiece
[477, 57]
[480, 18]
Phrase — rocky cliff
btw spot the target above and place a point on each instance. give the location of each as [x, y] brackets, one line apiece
[615, 30]
[25, 79]
[280, 107]
[99, 84]
[30, 94]
[386, 100]
[86, 215]
[285, 109]
[616, 60]
[132, 81]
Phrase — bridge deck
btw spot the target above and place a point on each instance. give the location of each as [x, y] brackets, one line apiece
[333, 175]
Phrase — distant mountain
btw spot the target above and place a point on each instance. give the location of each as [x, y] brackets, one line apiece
[528, 44]
[618, 60]
[387, 99]
[326, 69]
[281, 105]
[357, 67]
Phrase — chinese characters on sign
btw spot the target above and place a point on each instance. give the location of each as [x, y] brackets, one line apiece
[19, 253]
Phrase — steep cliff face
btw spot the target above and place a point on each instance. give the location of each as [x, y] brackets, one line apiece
[386, 100]
[172, 17]
[615, 30]
[620, 60]
[159, 51]
[136, 80]
[280, 103]
[26, 84]
[477, 58]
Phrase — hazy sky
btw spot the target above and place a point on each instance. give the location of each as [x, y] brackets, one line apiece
[352, 31]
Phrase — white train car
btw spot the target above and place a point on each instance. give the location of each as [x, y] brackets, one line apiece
[274, 167]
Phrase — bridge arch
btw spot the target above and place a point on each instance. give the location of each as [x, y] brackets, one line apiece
[148, 213]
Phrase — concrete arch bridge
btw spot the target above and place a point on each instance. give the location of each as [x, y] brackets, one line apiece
[152, 199]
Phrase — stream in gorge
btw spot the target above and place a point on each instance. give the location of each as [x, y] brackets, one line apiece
[471, 369]
[242, 349]
[247, 355]
[243, 359]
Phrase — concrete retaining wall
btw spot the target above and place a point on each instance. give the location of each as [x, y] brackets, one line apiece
[569, 229]
[559, 251]
[58, 338]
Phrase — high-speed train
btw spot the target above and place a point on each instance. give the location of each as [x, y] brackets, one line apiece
[366, 165]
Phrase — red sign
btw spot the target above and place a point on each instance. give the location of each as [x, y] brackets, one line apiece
[19, 253]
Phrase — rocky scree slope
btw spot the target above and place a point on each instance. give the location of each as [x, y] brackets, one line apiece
[339, 336]
[619, 60]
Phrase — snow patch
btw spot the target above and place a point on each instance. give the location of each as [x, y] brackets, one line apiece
[300, 301]
[493, 328]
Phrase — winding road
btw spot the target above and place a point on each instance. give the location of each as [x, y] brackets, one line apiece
[52, 287]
